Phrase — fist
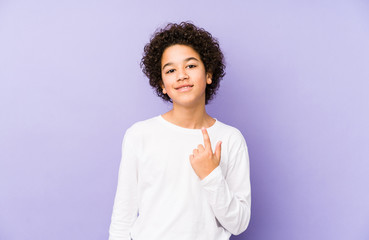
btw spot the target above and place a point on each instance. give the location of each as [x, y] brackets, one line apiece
[203, 160]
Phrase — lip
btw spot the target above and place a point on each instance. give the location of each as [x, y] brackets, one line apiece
[184, 87]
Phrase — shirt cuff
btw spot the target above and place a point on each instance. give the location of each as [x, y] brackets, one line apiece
[213, 179]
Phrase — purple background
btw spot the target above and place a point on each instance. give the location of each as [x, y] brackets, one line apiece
[297, 87]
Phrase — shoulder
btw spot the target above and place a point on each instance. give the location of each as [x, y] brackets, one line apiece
[142, 127]
[135, 134]
[143, 124]
[229, 130]
[232, 135]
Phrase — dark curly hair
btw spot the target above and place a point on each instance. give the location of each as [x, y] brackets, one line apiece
[184, 33]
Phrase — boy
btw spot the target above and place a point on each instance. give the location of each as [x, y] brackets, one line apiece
[174, 183]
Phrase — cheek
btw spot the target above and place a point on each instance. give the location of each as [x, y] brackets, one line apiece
[168, 79]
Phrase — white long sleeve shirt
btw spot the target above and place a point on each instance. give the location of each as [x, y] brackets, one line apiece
[160, 197]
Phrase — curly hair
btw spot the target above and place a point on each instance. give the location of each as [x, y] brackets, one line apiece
[184, 33]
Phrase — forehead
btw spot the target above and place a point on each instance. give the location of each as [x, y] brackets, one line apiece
[178, 53]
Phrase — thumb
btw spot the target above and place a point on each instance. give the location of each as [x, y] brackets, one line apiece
[218, 150]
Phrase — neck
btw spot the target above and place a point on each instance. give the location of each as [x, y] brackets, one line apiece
[189, 117]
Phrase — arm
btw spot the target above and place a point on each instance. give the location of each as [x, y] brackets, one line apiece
[230, 196]
[125, 203]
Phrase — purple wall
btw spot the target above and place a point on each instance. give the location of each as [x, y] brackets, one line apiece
[297, 86]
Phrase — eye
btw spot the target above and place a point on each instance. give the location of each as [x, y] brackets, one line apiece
[169, 71]
[191, 66]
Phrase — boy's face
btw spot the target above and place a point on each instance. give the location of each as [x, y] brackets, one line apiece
[184, 77]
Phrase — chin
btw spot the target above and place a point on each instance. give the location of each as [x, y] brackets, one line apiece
[189, 103]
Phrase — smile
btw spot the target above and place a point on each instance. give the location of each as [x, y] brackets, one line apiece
[184, 88]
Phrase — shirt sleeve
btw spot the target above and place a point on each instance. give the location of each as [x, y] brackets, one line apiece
[230, 196]
[125, 204]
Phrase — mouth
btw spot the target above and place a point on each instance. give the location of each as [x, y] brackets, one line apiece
[184, 87]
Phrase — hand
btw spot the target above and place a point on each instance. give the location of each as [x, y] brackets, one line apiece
[203, 160]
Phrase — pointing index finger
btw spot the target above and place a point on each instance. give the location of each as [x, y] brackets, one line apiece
[206, 138]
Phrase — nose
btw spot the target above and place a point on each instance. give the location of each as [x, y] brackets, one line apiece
[182, 74]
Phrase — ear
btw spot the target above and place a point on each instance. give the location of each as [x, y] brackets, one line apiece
[163, 87]
[208, 78]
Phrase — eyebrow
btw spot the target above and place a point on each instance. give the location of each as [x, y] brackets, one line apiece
[186, 60]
